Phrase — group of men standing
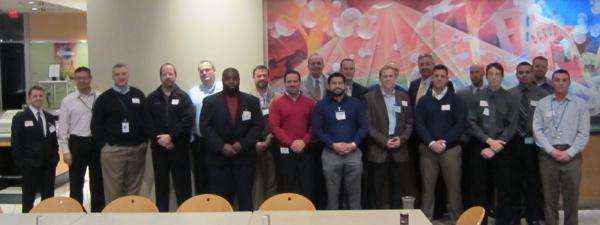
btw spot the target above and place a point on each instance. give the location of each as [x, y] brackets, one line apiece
[321, 131]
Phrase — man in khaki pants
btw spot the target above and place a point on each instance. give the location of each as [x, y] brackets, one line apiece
[561, 127]
[117, 128]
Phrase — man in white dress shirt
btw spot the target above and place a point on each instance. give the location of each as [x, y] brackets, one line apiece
[75, 139]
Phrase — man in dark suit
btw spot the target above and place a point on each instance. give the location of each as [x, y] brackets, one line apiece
[352, 88]
[35, 148]
[231, 121]
[390, 125]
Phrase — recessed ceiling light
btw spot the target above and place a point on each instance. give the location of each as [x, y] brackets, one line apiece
[34, 9]
[31, 2]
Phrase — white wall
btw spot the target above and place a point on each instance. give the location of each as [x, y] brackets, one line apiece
[145, 34]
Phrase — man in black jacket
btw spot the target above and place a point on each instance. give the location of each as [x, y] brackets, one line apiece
[231, 121]
[118, 129]
[169, 118]
[35, 148]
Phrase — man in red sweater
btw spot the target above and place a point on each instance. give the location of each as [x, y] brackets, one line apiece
[289, 121]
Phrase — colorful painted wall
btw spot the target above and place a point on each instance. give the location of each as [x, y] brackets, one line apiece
[458, 33]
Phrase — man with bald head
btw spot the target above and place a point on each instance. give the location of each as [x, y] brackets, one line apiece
[231, 121]
[468, 95]
[540, 68]
[314, 86]
[208, 86]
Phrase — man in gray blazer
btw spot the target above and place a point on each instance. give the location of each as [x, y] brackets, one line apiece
[390, 120]
[315, 84]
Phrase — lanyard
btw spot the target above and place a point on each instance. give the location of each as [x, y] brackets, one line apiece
[562, 115]
[83, 102]
[123, 106]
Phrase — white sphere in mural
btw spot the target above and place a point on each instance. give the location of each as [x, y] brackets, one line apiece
[284, 27]
[366, 27]
[308, 19]
[579, 34]
[342, 29]
[595, 30]
[313, 5]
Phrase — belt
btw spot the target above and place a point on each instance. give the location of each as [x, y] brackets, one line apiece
[562, 147]
[81, 137]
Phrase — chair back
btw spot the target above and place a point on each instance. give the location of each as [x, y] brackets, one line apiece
[473, 216]
[205, 203]
[58, 205]
[130, 204]
[287, 202]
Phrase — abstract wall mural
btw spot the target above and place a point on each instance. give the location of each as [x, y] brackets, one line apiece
[457, 32]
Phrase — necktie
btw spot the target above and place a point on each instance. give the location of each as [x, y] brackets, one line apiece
[523, 115]
[421, 91]
[40, 122]
[317, 90]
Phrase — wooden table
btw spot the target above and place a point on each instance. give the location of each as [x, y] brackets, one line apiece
[345, 217]
[217, 218]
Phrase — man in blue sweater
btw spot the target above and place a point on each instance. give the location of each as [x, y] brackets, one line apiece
[441, 118]
[340, 122]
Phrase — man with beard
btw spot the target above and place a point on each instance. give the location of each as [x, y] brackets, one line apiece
[440, 120]
[231, 122]
[289, 120]
[169, 115]
[340, 122]
[264, 181]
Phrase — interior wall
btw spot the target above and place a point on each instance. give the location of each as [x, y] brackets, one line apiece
[183, 32]
[58, 26]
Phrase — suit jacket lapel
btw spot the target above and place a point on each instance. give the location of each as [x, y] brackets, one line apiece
[382, 113]
[33, 118]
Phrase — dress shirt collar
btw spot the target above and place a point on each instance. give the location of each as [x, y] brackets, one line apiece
[207, 88]
[568, 97]
[92, 93]
[475, 89]
[292, 98]
[35, 111]
[121, 91]
[440, 95]
[386, 94]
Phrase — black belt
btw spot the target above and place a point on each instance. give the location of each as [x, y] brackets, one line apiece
[89, 138]
[562, 147]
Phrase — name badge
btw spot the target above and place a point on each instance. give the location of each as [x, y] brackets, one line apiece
[28, 123]
[528, 140]
[265, 112]
[246, 115]
[446, 107]
[486, 111]
[125, 127]
[340, 115]
[135, 100]
[174, 101]
[533, 103]
[52, 129]
[284, 150]
[483, 103]
[397, 109]
[404, 103]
